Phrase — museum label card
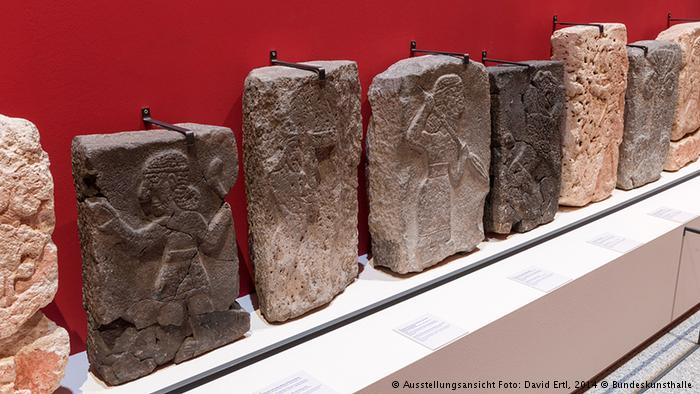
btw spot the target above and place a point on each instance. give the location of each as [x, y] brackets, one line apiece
[431, 332]
[674, 215]
[614, 242]
[299, 383]
[540, 279]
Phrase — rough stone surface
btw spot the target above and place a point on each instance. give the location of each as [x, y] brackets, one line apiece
[302, 148]
[428, 149]
[33, 359]
[595, 79]
[160, 267]
[28, 268]
[650, 102]
[527, 119]
[687, 116]
[682, 152]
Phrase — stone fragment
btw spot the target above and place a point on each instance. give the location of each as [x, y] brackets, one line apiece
[28, 267]
[160, 267]
[302, 143]
[428, 150]
[527, 119]
[33, 359]
[687, 115]
[650, 102]
[682, 152]
[595, 80]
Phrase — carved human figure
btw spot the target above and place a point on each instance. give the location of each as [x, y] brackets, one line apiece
[171, 203]
[428, 153]
[158, 225]
[432, 131]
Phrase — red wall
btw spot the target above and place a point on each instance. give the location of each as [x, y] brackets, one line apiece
[77, 67]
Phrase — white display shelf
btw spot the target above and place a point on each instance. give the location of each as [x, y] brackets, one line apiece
[471, 302]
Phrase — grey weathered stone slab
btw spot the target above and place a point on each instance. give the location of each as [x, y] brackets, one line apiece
[595, 68]
[650, 103]
[428, 149]
[527, 119]
[685, 137]
[302, 140]
[160, 267]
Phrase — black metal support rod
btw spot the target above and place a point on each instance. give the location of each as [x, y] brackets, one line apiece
[463, 56]
[669, 20]
[485, 59]
[642, 47]
[691, 230]
[320, 71]
[148, 120]
[555, 22]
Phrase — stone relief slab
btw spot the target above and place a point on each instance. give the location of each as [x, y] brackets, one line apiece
[28, 266]
[33, 350]
[595, 80]
[687, 115]
[302, 140]
[650, 103]
[160, 266]
[428, 161]
[527, 120]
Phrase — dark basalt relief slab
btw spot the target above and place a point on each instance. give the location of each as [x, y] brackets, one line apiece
[527, 117]
[160, 266]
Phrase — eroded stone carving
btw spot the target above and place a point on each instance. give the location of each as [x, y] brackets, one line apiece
[650, 102]
[302, 142]
[28, 268]
[428, 150]
[595, 80]
[527, 119]
[687, 115]
[33, 350]
[160, 267]
[34, 357]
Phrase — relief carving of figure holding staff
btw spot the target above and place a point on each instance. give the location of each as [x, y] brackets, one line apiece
[435, 131]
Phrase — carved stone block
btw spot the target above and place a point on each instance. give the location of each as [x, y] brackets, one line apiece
[34, 357]
[595, 80]
[160, 267]
[428, 149]
[527, 119]
[687, 115]
[28, 266]
[302, 140]
[650, 103]
[33, 350]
